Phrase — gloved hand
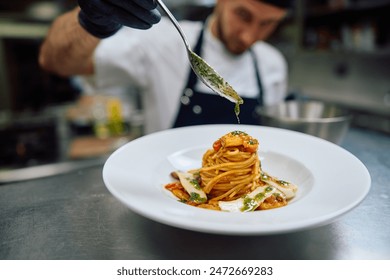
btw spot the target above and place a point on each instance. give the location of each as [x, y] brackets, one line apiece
[103, 18]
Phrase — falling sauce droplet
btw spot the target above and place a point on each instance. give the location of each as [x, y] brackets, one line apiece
[237, 111]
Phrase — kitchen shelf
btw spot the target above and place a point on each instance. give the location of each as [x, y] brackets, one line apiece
[326, 10]
[341, 55]
[360, 27]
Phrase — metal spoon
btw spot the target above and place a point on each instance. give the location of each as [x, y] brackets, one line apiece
[203, 70]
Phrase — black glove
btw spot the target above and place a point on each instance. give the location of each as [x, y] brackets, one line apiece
[103, 18]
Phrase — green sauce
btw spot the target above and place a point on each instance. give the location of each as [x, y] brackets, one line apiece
[250, 204]
[237, 111]
[195, 183]
[196, 198]
[259, 196]
[213, 80]
[238, 132]
[284, 183]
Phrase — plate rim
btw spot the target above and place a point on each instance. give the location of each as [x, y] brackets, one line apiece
[306, 224]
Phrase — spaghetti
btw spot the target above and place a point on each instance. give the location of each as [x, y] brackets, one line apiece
[231, 179]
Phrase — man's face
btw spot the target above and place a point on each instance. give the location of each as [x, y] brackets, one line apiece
[240, 23]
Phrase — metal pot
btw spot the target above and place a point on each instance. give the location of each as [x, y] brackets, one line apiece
[316, 118]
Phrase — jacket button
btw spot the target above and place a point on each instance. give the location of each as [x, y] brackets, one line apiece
[188, 92]
[197, 109]
[185, 100]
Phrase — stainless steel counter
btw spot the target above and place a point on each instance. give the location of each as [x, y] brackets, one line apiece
[73, 216]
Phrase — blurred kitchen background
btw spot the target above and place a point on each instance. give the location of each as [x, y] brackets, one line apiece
[338, 52]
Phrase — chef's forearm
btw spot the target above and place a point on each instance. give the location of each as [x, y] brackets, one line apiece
[68, 48]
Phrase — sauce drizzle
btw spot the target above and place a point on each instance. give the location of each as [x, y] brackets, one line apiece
[214, 81]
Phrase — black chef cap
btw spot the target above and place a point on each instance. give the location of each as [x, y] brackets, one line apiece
[285, 4]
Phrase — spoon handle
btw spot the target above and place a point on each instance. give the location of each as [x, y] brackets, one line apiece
[175, 23]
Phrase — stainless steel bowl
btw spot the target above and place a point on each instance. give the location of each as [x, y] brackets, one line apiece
[316, 118]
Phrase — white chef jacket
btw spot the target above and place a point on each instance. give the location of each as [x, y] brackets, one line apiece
[155, 61]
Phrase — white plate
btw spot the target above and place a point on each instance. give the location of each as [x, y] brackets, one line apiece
[331, 180]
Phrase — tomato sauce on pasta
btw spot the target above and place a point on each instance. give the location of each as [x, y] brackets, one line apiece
[231, 179]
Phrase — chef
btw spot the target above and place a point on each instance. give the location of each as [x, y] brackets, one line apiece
[115, 43]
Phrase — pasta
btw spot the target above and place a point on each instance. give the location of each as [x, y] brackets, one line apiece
[231, 179]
